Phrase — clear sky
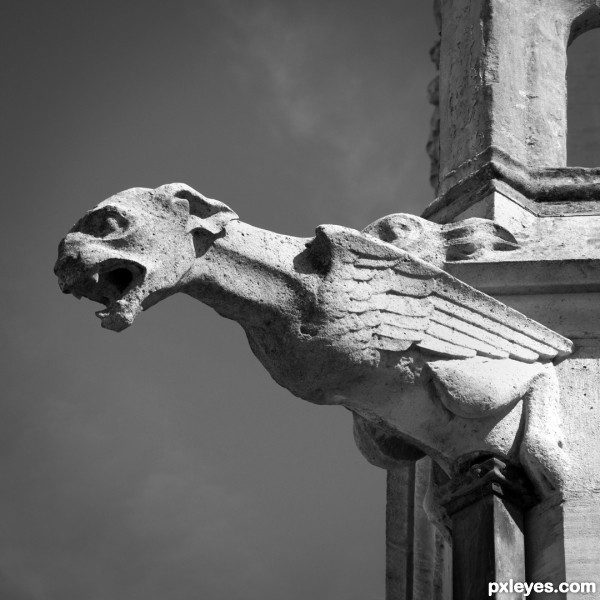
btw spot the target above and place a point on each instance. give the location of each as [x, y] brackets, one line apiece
[163, 463]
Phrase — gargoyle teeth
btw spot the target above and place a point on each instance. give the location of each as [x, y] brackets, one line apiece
[96, 277]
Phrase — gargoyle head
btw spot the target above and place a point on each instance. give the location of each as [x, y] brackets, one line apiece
[133, 249]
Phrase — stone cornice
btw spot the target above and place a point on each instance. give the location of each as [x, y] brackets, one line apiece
[557, 191]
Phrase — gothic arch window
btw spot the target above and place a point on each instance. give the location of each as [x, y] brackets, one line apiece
[583, 91]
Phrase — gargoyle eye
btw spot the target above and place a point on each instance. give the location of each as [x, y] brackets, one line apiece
[102, 223]
[111, 224]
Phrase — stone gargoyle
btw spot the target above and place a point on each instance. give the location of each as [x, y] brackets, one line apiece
[367, 320]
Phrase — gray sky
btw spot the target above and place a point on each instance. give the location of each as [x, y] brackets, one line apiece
[163, 462]
[583, 114]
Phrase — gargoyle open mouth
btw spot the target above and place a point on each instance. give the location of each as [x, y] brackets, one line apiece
[116, 283]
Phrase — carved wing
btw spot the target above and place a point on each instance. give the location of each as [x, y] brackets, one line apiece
[391, 300]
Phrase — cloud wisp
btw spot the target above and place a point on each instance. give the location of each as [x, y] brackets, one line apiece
[325, 88]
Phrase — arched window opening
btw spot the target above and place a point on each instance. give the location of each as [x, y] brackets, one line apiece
[583, 99]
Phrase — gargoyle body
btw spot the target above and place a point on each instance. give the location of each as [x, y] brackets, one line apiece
[348, 318]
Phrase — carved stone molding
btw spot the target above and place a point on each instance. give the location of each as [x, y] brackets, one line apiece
[481, 477]
[433, 94]
[543, 191]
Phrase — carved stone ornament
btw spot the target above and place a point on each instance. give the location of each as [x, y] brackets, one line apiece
[365, 320]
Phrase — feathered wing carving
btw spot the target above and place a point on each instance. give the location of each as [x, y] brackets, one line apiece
[388, 299]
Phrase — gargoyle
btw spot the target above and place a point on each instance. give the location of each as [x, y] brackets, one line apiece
[344, 318]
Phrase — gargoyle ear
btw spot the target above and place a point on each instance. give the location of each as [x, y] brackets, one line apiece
[204, 213]
[473, 237]
[399, 229]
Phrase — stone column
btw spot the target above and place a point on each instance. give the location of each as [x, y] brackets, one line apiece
[487, 504]
[418, 545]
[399, 530]
[502, 103]
[555, 279]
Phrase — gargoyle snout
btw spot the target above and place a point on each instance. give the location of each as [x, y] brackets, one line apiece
[67, 269]
[70, 267]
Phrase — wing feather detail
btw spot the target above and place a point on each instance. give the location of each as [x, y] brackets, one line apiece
[390, 300]
[358, 306]
[446, 348]
[489, 315]
[401, 305]
[399, 333]
[446, 333]
[393, 345]
[404, 322]
[374, 263]
[502, 347]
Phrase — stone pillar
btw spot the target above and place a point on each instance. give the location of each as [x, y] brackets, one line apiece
[487, 504]
[502, 155]
[502, 107]
[555, 279]
[418, 545]
[399, 529]
[502, 89]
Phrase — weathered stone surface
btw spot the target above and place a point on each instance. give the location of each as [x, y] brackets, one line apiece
[381, 321]
[502, 99]
[544, 191]
[342, 318]
[419, 547]
[554, 278]
[440, 244]
[502, 85]
[433, 93]
[135, 248]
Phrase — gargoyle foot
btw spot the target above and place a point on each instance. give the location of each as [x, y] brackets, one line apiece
[543, 451]
[487, 390]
